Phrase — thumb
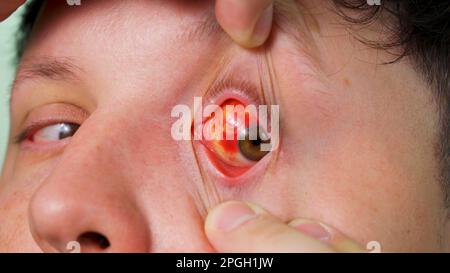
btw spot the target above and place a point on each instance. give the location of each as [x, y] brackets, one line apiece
[240, 227]
[248, 22]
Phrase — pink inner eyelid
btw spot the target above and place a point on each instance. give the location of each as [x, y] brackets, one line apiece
[217, 98]
[230, 87]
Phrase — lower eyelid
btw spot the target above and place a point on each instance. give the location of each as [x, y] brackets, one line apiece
[215, 176]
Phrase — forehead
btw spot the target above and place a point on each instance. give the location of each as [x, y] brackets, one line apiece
[120, 27]
[154, 22]
[135, 39]
[118, 38]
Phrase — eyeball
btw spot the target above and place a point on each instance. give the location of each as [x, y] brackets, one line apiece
[236, 155]
[252, 149]
[54, 132]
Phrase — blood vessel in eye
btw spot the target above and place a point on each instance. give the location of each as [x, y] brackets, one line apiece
[225, 152]
[230, 119]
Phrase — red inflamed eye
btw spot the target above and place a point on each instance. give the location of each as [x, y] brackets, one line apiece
[233, 137]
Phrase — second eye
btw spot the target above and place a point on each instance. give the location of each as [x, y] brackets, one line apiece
[53, 132]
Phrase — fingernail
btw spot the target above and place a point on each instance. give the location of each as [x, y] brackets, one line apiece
[314, 229]
[230, 215]
[263, 27]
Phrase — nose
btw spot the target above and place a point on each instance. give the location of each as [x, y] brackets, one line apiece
[84, 200]
[62, 221]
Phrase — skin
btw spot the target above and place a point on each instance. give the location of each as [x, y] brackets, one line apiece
[357, 147]
[247, 22]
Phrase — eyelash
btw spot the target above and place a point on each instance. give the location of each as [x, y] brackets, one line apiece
[27, 132]
[229, 88]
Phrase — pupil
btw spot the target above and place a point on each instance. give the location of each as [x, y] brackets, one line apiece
[67, 130]
[251, 148]
[256, 142]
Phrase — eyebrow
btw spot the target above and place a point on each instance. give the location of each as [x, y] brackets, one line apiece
[65, 69]
[48, 68]
[290, 17]
[206, 27]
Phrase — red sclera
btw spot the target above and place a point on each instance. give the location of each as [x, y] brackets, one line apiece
[225, 154]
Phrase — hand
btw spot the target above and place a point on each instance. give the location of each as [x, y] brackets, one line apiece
[247, 22]
[240, 227]
[9, 6]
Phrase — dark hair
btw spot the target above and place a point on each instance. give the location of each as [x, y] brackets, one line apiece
[29, 18]
[419, 30]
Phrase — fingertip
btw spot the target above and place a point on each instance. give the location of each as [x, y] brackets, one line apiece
[326, 234]
[312, 228]
[228, 216]
[262, 29]
[248, 22]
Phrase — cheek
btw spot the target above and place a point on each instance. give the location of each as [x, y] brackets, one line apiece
[20, 179]
[361, 186]
[15, 234]
[353, 156]
[372, 193]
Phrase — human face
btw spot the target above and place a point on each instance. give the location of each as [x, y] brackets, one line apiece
[92, 105]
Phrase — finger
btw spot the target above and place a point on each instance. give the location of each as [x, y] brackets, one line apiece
[332, 237]
[238, 227]
[9, 6]
[248, 22]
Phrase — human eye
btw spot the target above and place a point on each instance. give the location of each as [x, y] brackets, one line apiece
[49, 133]
[230, 146]
[233, 138]
[50, 126]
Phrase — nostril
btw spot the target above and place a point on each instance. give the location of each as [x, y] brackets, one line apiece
[93, 241]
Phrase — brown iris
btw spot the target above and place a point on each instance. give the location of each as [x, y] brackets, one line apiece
[251, 148]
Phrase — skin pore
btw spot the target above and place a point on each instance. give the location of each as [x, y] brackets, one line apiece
[357, 148]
